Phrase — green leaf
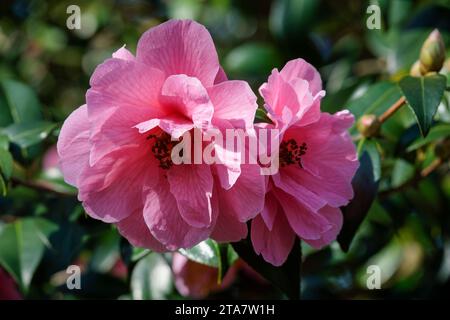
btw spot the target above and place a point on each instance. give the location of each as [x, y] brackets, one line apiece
[22, 245]
[106, 252]
[151, 278]
[376, 99]
[261, 116]
[30, 133]
[210, 253]
[21, 103]
[423, 95]
[252, 60]
[285, 277]
[365, 189]
[370, 146]
[4, 142]
[290, 19]
[206, 252]
[6, 163]
[402, 172]
[437, 132]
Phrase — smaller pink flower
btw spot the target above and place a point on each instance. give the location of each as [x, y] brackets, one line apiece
[317, 163]
[197, 280]
[8, 288]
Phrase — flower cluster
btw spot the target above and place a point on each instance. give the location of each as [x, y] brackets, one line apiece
[117, 150]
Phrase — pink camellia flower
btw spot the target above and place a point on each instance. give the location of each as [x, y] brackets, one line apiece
[197, 280]
[116, 149]
[317, 161]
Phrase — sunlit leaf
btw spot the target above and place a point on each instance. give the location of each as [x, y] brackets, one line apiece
[151, 278]
[30, 133]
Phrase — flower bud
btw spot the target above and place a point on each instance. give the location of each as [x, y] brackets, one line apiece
[368, 125]
[432, 54]
[415, 69]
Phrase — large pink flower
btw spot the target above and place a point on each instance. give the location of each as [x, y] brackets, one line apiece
[317, 163]
[116, 148]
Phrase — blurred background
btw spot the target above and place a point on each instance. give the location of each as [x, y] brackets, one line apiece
[44, 74]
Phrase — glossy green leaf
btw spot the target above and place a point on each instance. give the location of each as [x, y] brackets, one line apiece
[206, 252]
[423, 96]
[30, 133]
[376, 99]
[370, 146]
[286, 277]
[151, 278]
[365, 189]
[21, 103]
[437, 132]
[22, 244]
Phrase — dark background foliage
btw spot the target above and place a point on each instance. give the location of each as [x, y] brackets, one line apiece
[44, 74]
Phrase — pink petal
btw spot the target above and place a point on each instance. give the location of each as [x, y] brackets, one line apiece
[135, 230]
[116, 131]
[163, 218]
[118, 83]
[221, 76]
[227, 228]
[186, 97]
[307, 224]
[180, 47]
[284, 181]
[299, 68]
[276, 244]
[234, 102]
[123, 53]
[334, 216]
[246, 198]
[192, 187]
[112, 188]
[73, 145]
[270, 210]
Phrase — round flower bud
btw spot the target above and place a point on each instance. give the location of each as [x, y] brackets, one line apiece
[368, 125]
[432, 54]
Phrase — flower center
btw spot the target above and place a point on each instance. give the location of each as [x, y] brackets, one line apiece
[162, 149]
[291, 152]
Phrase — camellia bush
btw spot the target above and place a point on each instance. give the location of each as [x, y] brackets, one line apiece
[220, 150]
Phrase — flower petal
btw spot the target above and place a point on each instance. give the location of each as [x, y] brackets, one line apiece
[73, 145]
[192, 187]
[111, 189]
[180, 47]
[306, 223]
[163, 218]
[135, 230]
[334, 216]
[276, 244]
[234, 102]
